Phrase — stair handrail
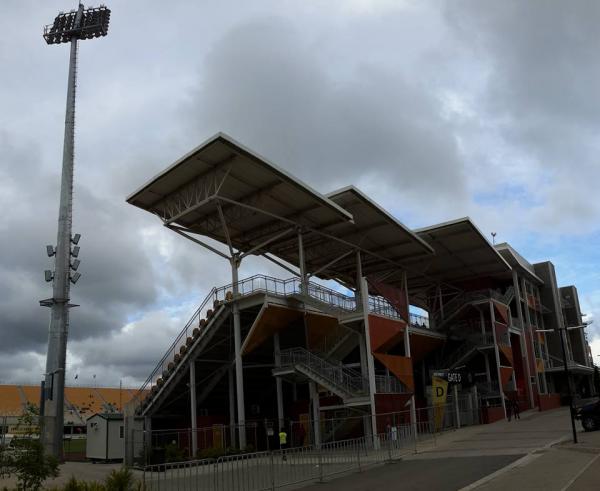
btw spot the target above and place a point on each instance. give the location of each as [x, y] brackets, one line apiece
[172, 350]
[350, 381]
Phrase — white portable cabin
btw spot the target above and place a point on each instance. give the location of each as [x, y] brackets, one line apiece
[105, 437]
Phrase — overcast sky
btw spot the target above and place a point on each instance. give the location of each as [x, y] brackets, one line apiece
[436, 109]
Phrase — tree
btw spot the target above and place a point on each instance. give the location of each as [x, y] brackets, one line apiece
[596, 380]
[25, 457]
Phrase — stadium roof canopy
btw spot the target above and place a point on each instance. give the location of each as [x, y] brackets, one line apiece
[461, 253]
[516, 260]
[224, 191]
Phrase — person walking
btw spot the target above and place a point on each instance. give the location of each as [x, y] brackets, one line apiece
[282, 442]
[516, 409]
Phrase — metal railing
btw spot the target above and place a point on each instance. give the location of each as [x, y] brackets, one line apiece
[472, 342]
[275, 469]
[341, 378]
[385, 384]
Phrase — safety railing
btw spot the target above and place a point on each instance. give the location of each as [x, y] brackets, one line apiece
[385, 384]
[342, 378]
[381, 306]
[275, 469]
[472, 342]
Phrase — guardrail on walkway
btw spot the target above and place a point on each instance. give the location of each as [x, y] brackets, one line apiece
[276, 469]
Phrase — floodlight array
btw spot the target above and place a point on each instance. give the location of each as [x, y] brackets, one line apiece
[94, 23]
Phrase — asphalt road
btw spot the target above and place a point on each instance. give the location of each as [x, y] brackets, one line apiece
[444, 474]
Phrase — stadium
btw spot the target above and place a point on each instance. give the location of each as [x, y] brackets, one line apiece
[376, 328]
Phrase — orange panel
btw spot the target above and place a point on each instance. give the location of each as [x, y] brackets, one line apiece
[270, 320]
[505, 373]
[400, 366]
[385, 333]
[321, 329]
[503, 311]
[396, 296]
[421, 346]
[507, 352]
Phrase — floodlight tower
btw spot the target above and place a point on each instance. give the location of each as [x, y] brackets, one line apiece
[67, 28]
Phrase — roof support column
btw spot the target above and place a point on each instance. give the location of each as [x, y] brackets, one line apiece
[231, 384]
[193, 409]
[302, 264]
[523, 344]
[529, 333]
[496, 352]
[316, 413]
[278, 381]
[413, 410]
[239, 369]
[364, 296]
[439, 289]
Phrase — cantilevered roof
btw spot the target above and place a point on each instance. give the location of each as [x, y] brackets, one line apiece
[374, 228]
[515, 259]
[222, 182]
[255, 196]
[461, 252]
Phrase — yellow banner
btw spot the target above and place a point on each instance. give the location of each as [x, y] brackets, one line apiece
[439, 393]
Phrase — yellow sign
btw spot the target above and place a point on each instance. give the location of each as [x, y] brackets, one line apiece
[439, 393]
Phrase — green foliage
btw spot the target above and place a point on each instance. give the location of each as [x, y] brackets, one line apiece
[173, 453]
[121, 480]
[25, 457]
[117, 480]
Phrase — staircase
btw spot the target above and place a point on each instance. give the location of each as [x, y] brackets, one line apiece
[342, 381]
[462, 299]
[470, 346]
[193, 338]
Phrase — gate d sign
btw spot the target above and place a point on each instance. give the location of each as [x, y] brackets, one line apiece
[440, 390]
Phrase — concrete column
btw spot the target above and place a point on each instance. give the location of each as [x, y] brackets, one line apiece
[529, 332]
[231, 406]
[239, 369]
[523, 344]
[302, 265]
[364, 295]
[488, 373]
[194, 409]
[413, 409]
[278, 382]
[316, 412]
[456, 406]
[496, 352]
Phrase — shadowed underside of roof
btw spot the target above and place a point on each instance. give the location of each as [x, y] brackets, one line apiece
[223, 183]
[461, 253]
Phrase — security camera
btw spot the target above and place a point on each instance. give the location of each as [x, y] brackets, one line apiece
[50, 250]
[48, 275]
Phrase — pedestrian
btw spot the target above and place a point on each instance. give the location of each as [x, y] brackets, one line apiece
[508, 405]
[282, 442]
[516, 409]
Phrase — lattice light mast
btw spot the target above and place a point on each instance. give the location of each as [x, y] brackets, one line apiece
[67, 28]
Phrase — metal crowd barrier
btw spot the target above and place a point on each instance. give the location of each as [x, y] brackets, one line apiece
[276, 469]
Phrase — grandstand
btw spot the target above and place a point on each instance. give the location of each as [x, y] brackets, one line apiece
[370, 313]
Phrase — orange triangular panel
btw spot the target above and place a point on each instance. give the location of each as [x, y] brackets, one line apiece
[322, 331]
[503, 311]
[270, 320]
[421, 346]
[507, 352]
[385, 333]
[400, 366]
[506, 374]
[396, 296]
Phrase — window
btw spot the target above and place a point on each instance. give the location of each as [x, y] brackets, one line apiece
[121, 431]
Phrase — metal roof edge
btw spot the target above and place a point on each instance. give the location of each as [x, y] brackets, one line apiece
[232, 142]
[361, 194]
[467, 220]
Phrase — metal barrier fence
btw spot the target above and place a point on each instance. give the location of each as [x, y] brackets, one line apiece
[280, 468]
[274, 469]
